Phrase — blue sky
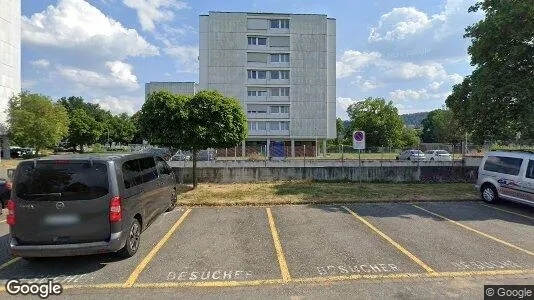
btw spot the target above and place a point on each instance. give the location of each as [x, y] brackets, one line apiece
[409, 52]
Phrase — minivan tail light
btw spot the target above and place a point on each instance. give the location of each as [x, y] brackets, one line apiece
[115, 210]
[9, 185]
[10, 218]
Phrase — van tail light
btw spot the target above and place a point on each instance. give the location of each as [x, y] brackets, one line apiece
[115, 210]
[9, 185]
[10, 218]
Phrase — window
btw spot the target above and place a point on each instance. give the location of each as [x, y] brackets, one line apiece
[251, 126]
[148, 169]
[256, 40]
[262, 126]
[274, 126]
[284, 125]
[505, 165]
[275, 92]
[279, 23]
[284, 109]
[530, 169]
[254, 126]
[64, 180]
[163, 168]
[252, 93]
[282, 57]
[262, 74]
[130, 173]
[262, 93]
[252, 74]
[284, 74]
[275, 75]
[284, 91]
[275, 109]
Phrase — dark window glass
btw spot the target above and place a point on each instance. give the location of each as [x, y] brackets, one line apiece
[530, 169]
[275, 24]
[62, 180]
[505, 165]
[148, 169]
[262, 41]
[130, 173]
[162, 166]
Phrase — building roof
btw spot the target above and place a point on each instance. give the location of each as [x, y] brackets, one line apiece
[261, 13]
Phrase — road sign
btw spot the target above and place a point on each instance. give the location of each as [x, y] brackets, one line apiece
[358, 140]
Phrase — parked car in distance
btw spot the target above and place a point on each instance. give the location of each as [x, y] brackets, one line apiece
[181, 156]
[165, 153]
[438, 155]
[206, 155]
[5, 191]
[413, 155]
[87, 204]
[508, 176]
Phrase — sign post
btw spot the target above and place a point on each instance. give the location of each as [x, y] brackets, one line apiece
[358, 142]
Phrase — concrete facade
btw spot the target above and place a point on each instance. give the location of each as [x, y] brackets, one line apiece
[10, 60]
[180, 88]
[282, 68]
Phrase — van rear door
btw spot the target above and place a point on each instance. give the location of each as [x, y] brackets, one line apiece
[61, 202]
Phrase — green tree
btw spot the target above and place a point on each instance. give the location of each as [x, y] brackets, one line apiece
[35, 121]
[213, 121]
[83, 129]
[121, 129]
[410, 137]
[205, 120]
[340, 130]
[495, 101]
[442, 126]
[379, 119]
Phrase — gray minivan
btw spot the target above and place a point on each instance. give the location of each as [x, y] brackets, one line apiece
[507, 175]
[87, 204]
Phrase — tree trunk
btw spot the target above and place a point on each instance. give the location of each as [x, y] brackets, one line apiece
[194, 168]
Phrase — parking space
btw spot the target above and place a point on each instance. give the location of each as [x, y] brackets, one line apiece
[443, 245]
[240, 246]
[328, 241]
[217, 244]
[93, 269]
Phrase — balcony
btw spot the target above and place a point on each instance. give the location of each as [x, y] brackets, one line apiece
[268, 115]
[268, 132]
[284, 99]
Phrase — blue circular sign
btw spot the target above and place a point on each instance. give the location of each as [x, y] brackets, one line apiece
[358, 136]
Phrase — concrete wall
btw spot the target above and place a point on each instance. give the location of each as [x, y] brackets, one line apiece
[424, 174]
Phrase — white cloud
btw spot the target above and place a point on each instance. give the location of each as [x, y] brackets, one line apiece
[410, 70]
[411, 95]
[455, 78]
[435, 85]
[187, 57]
[118, 76]
[406, 32]
[399, 24]
[118, 105]
[40, 63]
[150, 12]
[354, 61]
[342, 104]
[77, 26]
[366, 85]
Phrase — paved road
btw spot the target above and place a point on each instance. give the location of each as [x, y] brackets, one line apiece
[420, 250]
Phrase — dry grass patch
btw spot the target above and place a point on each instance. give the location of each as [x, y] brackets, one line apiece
[303, 192]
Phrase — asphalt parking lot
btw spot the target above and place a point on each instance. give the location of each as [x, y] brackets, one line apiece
[304, 246]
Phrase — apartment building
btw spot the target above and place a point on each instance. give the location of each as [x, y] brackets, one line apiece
[10, 57]
[282, 68]
[180, 88]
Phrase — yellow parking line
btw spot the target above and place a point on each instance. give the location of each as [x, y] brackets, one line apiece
[477, 232]
[209, 283]
[278, 246]
[135, 274]
[9, 262]
[508, 211]
[391, 241]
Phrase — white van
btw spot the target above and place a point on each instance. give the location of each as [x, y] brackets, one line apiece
[508, 176]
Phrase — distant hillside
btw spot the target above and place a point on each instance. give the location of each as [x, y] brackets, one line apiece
[414, 119]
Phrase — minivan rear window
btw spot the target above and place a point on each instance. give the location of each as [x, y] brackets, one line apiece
[504, 165]
[61, 180]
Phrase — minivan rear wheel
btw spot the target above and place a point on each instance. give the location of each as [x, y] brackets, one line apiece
[132, 241]
[173, 200]
[489, 193]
